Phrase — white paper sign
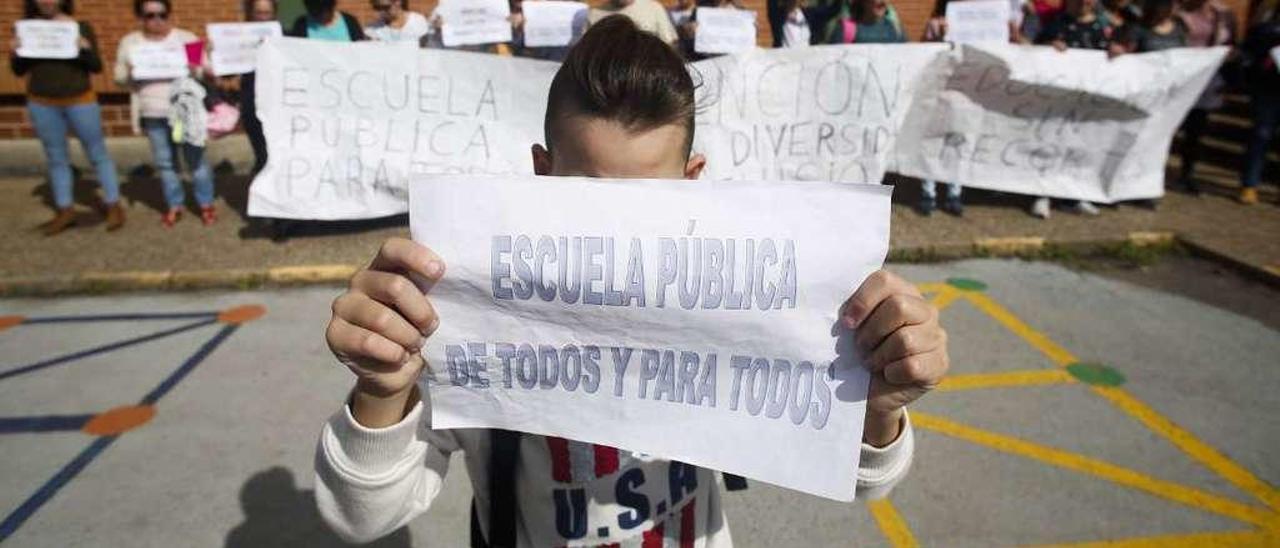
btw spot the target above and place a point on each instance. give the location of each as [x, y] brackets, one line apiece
[552, 23]
[158, 61]
[824, 113]
[690, 320]
[471, 22]
[348, 124]
[41, 39]
[978, 21]
[724, 30]
[235, 45]
[1047, 123]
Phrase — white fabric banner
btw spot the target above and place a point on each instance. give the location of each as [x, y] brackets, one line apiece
[158, 61]
[473, 22]
[724, 30]
[41, 39]
[235, 45]
[694, 320]
[348, 124]
[1037, 121]
[552, 23]
[825, 113]
[978, 22]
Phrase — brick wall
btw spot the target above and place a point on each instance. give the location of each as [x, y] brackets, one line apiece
[112, 19]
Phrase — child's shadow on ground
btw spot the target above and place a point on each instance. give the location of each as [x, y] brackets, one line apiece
[278, 513]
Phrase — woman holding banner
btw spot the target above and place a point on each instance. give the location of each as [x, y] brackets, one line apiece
[866, 22]
[396, 24]
[60, 96]
[1208, 23]
[323, 21]
[254, 11]
[142, 68]
[935, 30]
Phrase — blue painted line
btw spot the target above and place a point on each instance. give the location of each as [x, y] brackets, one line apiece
[122, 317]
[104, 348]
[51, 487]
[45, 423]
[172, 380]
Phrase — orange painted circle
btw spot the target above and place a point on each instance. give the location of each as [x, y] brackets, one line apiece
[119, 420]
[242, 314]
[9, 321]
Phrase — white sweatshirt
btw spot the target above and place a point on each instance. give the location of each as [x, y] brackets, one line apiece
[370, 482]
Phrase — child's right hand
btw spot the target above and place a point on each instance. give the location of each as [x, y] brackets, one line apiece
[378, 327]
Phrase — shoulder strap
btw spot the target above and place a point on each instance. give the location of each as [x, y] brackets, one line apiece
[504, 453]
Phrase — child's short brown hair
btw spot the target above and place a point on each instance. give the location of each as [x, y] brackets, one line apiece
[620, 73]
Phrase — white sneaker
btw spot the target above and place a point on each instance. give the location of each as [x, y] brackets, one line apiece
[1040, 208]
[1086, 208]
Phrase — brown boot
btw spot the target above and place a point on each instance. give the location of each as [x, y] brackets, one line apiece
[115, 217]
[63, 220]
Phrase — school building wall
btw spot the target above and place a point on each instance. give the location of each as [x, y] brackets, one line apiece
[112, 19]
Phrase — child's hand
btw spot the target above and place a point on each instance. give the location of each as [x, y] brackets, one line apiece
[902, 344]
[378, 328]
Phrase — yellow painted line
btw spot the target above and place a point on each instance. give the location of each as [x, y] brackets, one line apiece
[1193, 540]
[944, 298]
[892, 524]
[1035, 338]
[1182, 494]
[1274, 269]
[933, 287]
[1180, 438]
[1193, 447]
[1004, 379]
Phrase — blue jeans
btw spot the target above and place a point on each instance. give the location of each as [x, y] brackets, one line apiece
[929, 189]
[85, 120]
[1266, 116]
[163, 151]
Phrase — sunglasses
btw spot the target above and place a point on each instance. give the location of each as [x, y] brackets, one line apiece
[382, 7]
[155, 15]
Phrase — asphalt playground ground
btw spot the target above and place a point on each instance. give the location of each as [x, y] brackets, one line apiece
[1081, 409]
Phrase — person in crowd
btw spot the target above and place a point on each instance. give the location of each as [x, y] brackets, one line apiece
[323, 21]
[151, 107]
[1208, 23]
[61, 97]
[799, 23]
[1047, 10]
[866, 22]
[688, 30]
[1262, 80]
[1077, 26]
[254, 11]
[379, 464]
[1119, 14]
[549, 53]
[681, 12]
[1158, 29]
[935, 30]
[396, 23]
[648, 15]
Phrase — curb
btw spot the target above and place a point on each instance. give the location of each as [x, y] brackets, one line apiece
[232, 278]
[338, 274]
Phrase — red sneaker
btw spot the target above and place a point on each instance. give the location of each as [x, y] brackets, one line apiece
[171, 217]
[208, 215]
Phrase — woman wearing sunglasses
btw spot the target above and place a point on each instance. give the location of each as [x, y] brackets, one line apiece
[150, 106]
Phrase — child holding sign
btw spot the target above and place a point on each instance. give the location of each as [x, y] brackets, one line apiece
[622, 105]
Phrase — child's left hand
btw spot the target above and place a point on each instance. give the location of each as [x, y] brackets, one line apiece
[902, 344]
